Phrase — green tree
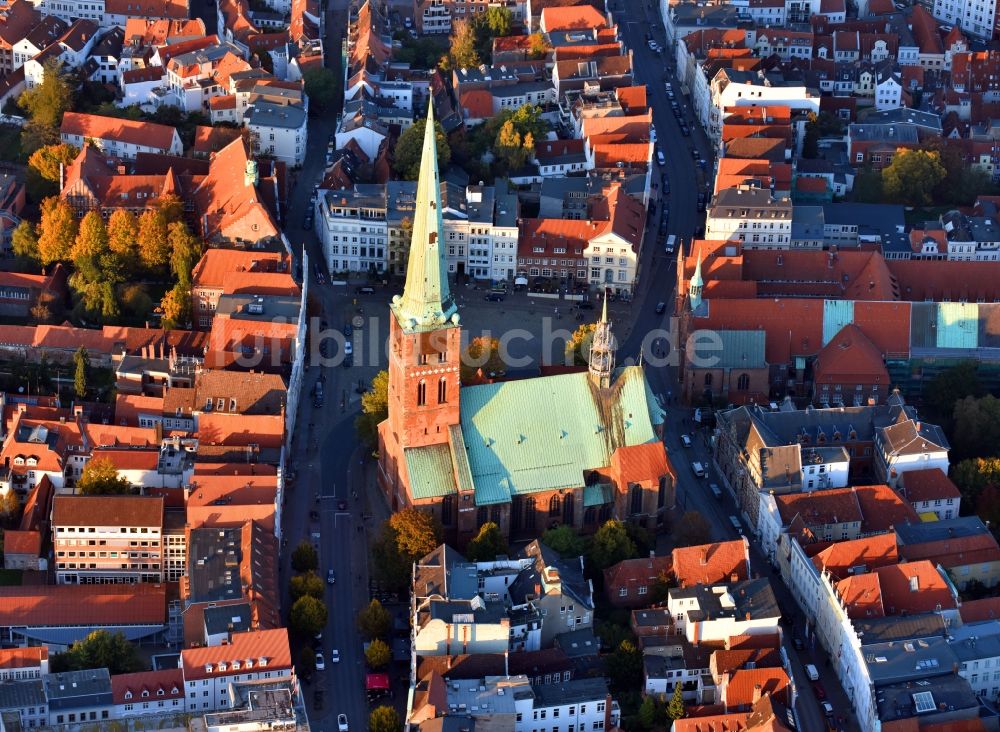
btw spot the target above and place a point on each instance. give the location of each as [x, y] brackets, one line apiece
[973, 476]
[948, 387]
[304, 558]
[868, 185]
[513, 149]
[101, 649]
[374, 409]
[647, 712]
[24, 241]
[578, 346]
[481, 356]
[91, 237]
[374, 621]
[48, 101]
[384, 719]
[611, 544]
[692, 530]
[56, 230]
[462, 52]
[977, 427]
[136, 300]
[377, 654]
[624, 667]
[496, 22]
[306, 664]
[410, 146]
[810, 143]
[81, 362]
[185, 251]
[675, 707]
[307, 617]
[912, 176]
[45, 168]
[565, 540]
[172, 208]
[307, 583]
[321, 87]
[487, 545]
[100, 478]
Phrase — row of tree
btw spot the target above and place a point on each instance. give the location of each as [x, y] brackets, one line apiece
[106, 256]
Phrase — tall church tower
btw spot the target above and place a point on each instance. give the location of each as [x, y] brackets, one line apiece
[424, 335]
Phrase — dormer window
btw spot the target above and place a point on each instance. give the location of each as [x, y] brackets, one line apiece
[19, 460]
[32, 461]
[128, 694]
[160, 692]
[222, 667]
[145, 693]
[262, 661]
[208, 668]
[236, 665]
[249, 663]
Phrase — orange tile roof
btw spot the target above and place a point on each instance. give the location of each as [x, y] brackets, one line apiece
[206, 490]
[920, 280]
[609, 156]
[862, 594]
[632, 98]
[115, 511]
[148, 134]
[622, 214]
[146, 32]
[883, 508]
[81, 605]
[643, 464]
[226, 102]
[725, 661]
[216, 264]
[712, 563]
[239, 430]
[635, 126]
[30, 657]
[22, 542]
[208, 140]
[575, 17]
[928, 484]
[129, 459]
[742, 685]
[869, 552]
[477, 103]
[259, 344]
[229, 516]
[850, 357]
[712, 723]
[230, 469]
[901, 594]
[837, 505]
[151, 685]
[271, 646]
[128, 407]
[260, 283]
[37, 506]
[796, 325]
[549, 151]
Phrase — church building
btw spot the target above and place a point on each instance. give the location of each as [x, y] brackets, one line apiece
[577, 448]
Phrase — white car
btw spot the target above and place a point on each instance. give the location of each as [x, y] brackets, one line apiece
[320, 663]
[341, 723]
[348, 348]
[335, 656]
[686, 441]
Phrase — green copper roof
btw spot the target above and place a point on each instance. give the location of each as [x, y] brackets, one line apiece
[539, 434]
[597, 494]
[426, 303]
[430, 471]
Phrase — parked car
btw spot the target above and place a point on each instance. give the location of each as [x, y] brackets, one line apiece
[819, 691]
[320, 663]
[827, 708]
[812, 673]
[341, 723]
[660, 157]
[494, 297]
[660, 307]
[331, 578]
[335, 656]
[686, 440]
[698, 469]
[716, 491]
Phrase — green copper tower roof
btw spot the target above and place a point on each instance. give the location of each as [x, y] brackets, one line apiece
[426, 303]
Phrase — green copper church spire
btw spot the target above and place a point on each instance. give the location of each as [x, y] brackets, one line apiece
[426, 303]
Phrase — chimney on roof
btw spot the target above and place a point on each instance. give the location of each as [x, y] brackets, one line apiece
[704, 557]
[756, 693]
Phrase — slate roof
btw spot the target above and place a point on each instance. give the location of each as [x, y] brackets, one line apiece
[571, 579]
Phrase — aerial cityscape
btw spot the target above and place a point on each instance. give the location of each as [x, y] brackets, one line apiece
[500, 365]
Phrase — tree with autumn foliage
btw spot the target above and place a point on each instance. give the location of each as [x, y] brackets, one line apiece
[123, 231]
[185, 251]
[481, 355]
[56, 230]
[404, 537]
[91, 237]
[176, 306]
[153, 240]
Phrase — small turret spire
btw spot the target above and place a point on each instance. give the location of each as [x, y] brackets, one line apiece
[696, 286]
[602, 350]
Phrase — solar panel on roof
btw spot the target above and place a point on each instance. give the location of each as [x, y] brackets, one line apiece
[923, 701]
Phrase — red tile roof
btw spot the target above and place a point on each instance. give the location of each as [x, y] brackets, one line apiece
[22, 542]
[477, 104]
[913, 587]
[978, 611]
[269, 646]
[928, 484]
[712, 563]
[632, 98]
[862, 594]
[239, 430]
[216, 265]
[82, 605]
[850, 357]
[30, 657]
[735, 722]
[869, 552]
[176, 9]
[633, 573]
[148, 685]
[643, 464]
[837, 505]
[883, 508]
[148, 134]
